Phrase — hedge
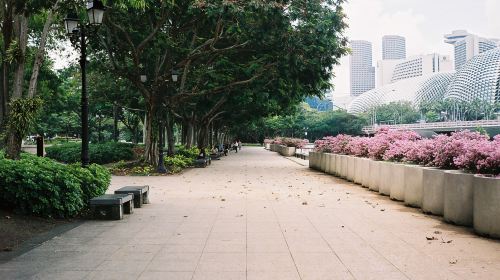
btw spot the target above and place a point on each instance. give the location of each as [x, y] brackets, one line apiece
[100, 153]
[43, 187]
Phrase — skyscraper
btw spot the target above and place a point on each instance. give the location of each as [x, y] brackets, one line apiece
[393, 47]
[468, 45]
[362, 72]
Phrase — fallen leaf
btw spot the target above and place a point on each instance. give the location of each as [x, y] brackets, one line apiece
[431, 238]
[382, 210]
[453, 261]
[437, 232]
[223, 199]
[304, 203]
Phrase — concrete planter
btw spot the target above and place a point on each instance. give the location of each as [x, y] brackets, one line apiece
[287, 151]
[343, 166]
[267, 146]
[322, 162]
[433, 191]
[458, 197]
[364, 166]
[358, 171]
[331, 167]
[486, 206]
[414, 187]
[385, 177]
[397, 182]
[351, 168]
[338, 165]
[328, 157]
[312, 160]
[374, 175]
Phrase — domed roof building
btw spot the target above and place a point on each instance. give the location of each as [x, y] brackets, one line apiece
[478, 79]
[416, 90]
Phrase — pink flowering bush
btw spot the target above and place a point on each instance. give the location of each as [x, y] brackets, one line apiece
[338, 144]
[385, 137]
[420, 152]
[447, 148]
[358, 146]
[467, 150]
[294, 142]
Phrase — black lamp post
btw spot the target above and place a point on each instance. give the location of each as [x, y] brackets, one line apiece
[161, 161]
[76, 30]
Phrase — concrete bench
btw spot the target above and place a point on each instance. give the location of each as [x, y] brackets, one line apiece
[112, 206]
[141, 194]
[201, 163]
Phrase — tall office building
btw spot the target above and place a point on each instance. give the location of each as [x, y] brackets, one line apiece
[393, 47]
[362, 72]
[468, 45]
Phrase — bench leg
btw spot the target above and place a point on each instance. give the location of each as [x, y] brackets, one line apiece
[145, 197]
[128, 207]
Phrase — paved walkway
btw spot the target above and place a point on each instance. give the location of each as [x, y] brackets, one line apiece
[256, 215]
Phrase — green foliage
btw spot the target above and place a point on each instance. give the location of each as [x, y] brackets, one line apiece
[94, 180]
[98, 153]
[178, 162]
[42, 187]
[188, 153]
[39, 187]
[23, 112]
[396, 113]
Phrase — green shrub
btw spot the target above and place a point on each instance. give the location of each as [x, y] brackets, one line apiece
[188, 153]
[94, 180]
[178, 162]
[43, 187]
[98, 153]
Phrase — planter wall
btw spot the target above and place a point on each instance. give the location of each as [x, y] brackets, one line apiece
[287, 151]
[331, 165]
[397, 182]
[343, 166]
[458, 197]
[365, 171]
[374, 175]
[414, 187]
[267, 146]
[312, 160]
[358, 170]
[385, 179]
[328, 157]
[433, 191]
[338, 162]
[322, 163]
[351, 168]
[486, 206]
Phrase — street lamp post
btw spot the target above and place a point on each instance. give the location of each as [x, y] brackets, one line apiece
[76, 30]
[161, 161]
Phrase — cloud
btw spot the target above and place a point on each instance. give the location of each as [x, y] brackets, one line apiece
[492, 7]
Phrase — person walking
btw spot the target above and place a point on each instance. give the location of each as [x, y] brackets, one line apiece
[235, 146]
[239, 144]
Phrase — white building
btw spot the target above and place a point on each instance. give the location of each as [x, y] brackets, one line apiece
[362, 72]
[422, 65]
[393, 47]
[468, 45]
[385, 71]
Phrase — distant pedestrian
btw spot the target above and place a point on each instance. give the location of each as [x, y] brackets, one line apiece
[235, 146]
[239, 144]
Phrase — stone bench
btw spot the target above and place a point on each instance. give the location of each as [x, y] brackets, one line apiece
[112, 206]
[201, 163]
[141, 194]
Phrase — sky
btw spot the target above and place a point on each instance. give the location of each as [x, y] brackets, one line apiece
[422, 22]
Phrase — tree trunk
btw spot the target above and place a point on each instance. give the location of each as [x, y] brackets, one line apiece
[14, 142]
[21, 30]
[170, 136]
[190, 135]
[116, 133]
[151, 144]
[40, 55]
